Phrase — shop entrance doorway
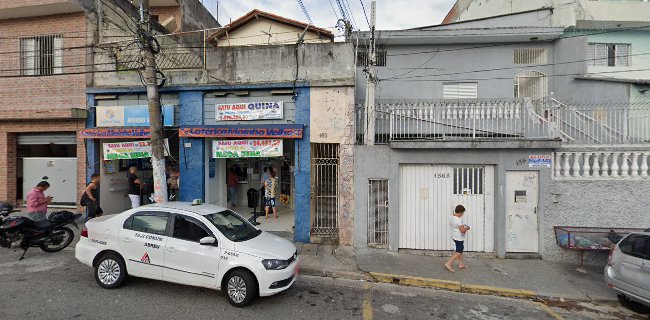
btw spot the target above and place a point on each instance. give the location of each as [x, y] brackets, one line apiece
[249, 174]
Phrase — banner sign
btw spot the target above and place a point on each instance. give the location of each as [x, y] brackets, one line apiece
[539, 161]
[129, 150]
[260, 148]
[249, 111]
[130, 116]
[292, 132]
[113, 133]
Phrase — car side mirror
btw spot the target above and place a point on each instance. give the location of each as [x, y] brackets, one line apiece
[208, 241]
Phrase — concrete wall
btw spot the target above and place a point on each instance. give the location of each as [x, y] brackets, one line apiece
[415, 72]
[569, 88]
[332, 121]
[588, 203]
[367, 167]
[327, 64]
[564, 14]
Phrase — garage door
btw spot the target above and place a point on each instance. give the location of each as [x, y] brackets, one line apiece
[428, 195]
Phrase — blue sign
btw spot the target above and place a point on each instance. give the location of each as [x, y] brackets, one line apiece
[130, 116]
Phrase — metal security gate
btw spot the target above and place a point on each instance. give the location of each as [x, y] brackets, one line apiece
[378, 212]
[324, 189]
[428, 195]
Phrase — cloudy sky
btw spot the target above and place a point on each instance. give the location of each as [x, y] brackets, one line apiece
[396, 14]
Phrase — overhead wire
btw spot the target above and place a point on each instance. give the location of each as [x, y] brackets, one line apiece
[365, 14]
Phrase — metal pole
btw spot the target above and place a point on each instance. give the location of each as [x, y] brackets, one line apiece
[153, 98]
[372, 81]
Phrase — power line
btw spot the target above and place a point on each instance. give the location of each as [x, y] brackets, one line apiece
[346, 4]
[334, 10]
[304, 10]
[527, 66]
[365, 14]
[511, 43]
[510, 78]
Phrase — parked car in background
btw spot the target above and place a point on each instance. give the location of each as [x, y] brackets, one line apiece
[628, 271]
[189, 243]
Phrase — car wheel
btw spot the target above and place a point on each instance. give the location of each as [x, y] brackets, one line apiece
[110, 271]
[240, 287]
[633, 305]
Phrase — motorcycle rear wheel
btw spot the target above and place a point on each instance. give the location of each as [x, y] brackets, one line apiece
[56, 246]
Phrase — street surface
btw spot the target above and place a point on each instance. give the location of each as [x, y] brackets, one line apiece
[56, 286]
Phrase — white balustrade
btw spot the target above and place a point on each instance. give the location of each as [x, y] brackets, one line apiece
[601, 165]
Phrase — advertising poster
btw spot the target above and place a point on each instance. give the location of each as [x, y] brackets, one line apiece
[249, 111]
[539, 161]
[257, 148]
[129, 150]
[130, 116]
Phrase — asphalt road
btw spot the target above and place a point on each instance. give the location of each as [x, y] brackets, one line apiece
[56, 286]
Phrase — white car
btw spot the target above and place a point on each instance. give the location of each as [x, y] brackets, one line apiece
[200, 245]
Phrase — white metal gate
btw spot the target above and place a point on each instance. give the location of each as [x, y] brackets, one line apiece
[378, 212]
[324, 189]
[428, 195]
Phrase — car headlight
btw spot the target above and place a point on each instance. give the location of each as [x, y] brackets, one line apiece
[273, 264]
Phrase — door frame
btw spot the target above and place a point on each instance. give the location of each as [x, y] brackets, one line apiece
[537, 212]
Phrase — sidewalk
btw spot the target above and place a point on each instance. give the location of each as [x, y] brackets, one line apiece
[506, 277]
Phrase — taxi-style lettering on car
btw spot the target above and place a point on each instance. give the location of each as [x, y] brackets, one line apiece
[151, 245]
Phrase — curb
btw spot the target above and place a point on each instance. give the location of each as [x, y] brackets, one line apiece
[350, 275]
[455, 286]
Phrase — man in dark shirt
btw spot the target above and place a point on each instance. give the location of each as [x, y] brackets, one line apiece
[135, 186]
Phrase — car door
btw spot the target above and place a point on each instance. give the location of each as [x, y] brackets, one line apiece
[143, 238]
[186, 260]
[634, 260]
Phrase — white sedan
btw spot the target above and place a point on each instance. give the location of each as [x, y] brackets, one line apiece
[201, 245]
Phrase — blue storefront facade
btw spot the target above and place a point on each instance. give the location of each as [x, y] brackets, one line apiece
[194, 131]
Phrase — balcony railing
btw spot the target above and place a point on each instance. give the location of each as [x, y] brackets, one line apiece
[520, 119]
[455, 120]
[591, 163]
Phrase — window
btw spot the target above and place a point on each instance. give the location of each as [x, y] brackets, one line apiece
[636, 245]
[189, 229]
[468, 180]
[149, 222]
[531, 84]
[460, 90]
[363, 57]
[609, 54]
[42, 55]
[233, 226]
[530, 56]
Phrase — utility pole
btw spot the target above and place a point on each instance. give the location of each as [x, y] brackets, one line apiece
[153, 98]
[371, 82]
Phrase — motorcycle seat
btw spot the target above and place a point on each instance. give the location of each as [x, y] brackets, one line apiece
[42, 224]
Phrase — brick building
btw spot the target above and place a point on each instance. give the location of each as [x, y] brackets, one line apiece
[47, 50]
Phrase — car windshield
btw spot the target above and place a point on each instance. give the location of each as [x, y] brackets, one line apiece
[233, 226]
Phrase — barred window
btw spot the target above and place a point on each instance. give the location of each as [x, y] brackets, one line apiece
[530, 56]
[41, 55]
[363, 58]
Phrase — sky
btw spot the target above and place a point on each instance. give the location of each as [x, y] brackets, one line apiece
[396, 14]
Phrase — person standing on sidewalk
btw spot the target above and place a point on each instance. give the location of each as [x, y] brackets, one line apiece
[232, 182]
[270, 191]
[135, 187]
[37, 201]
[90, 197]
[458, 231]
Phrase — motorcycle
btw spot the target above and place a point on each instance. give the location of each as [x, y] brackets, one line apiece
[51, 235]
